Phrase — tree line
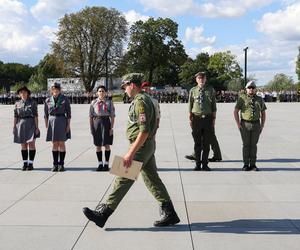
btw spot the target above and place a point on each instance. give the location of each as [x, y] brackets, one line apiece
[91, 44]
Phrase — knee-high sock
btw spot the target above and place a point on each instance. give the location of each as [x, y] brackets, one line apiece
[107, 155]
[99, 157]
[62, 157]
[55, 157]
[31, 155]
[24, 155]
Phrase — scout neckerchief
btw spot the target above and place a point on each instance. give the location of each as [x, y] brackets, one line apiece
[201, 96]
[56, 104]
[101, 102]
[252, 105]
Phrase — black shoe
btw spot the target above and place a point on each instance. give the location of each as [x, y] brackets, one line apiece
[99, 215]
[206, 168]
[24, 168]
[105, 168]
[254, 168]
[190, 157]
[213, 159]
[54, 168]
[61, 168]
[246, 168]
[169, 216]
[30, 167]
[197, 168]
[99, 168]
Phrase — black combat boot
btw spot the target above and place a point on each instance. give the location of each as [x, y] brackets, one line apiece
[169, 216]
[61, 168]
[99, 168]
[254, 168]
[99, 215]
[206, 168]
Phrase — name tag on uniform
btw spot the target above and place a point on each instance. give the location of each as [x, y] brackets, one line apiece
[131, 173]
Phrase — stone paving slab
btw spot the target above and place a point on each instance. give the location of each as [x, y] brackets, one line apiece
[222, 209]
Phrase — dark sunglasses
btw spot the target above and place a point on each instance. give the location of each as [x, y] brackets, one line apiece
[251, 87]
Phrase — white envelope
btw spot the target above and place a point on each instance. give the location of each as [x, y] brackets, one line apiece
[131, 173]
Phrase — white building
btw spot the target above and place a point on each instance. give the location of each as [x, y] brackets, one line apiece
[76, 85]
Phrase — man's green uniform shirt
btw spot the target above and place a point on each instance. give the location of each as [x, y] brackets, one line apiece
[141, 117]
[207, 106]
[244, 105]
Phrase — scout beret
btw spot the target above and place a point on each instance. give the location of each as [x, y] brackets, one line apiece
[135, 78]
[200, 73]
[55, 85]
[145, 85]
[23, 88]
[250, 84]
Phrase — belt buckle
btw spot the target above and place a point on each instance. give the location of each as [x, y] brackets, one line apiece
[202, 116]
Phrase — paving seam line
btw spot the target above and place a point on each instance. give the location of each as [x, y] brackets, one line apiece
[86, 224]
[181, 182]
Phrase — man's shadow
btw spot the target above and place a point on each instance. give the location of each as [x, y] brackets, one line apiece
[246, 226]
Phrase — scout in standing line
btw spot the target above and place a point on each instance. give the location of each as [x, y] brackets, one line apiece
[57, 119]
[202, 116]
[141, 130]
[102, 119]
[253, 117]
[26, 126]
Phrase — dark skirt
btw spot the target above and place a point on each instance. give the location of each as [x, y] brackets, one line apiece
[100, 132]
[25, 131]
[57, 129]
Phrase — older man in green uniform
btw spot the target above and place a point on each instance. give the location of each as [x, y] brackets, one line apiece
[202, 116]
[141, 129]
[253, 116]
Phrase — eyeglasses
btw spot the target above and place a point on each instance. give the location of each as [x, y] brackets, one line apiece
[251, 87]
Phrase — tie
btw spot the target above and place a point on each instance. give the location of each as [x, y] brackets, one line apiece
[252, 105]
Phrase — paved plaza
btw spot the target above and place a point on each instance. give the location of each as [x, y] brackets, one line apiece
[224, 209]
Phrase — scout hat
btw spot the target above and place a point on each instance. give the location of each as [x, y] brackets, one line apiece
[23, 88]
[250, 84]
[55, 85]
[135, 78]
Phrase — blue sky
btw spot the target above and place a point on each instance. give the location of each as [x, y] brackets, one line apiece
[270, 28]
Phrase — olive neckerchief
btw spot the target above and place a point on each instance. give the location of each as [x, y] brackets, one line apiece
[56, 104]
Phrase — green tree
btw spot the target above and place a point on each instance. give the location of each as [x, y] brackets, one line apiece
[49, 67]
[281, 82]
[223, 67]
[191, 67]
[154, 50]
[15, 72]
[86, 37]
[298, 65]
[235, 84]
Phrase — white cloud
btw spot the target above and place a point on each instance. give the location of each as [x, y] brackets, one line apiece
[210, 8]
[22, 39]
[283, 24]
[53, 9]
[132, 16]
[266, 57]
[196, 35]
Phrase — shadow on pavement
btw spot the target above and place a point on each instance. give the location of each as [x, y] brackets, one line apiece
[247, 226]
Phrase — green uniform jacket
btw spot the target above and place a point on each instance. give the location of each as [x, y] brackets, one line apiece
[208, 105]
[141, 117]
[244, 105]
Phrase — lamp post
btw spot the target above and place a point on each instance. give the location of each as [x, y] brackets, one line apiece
[106, 69]
[245, 75]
